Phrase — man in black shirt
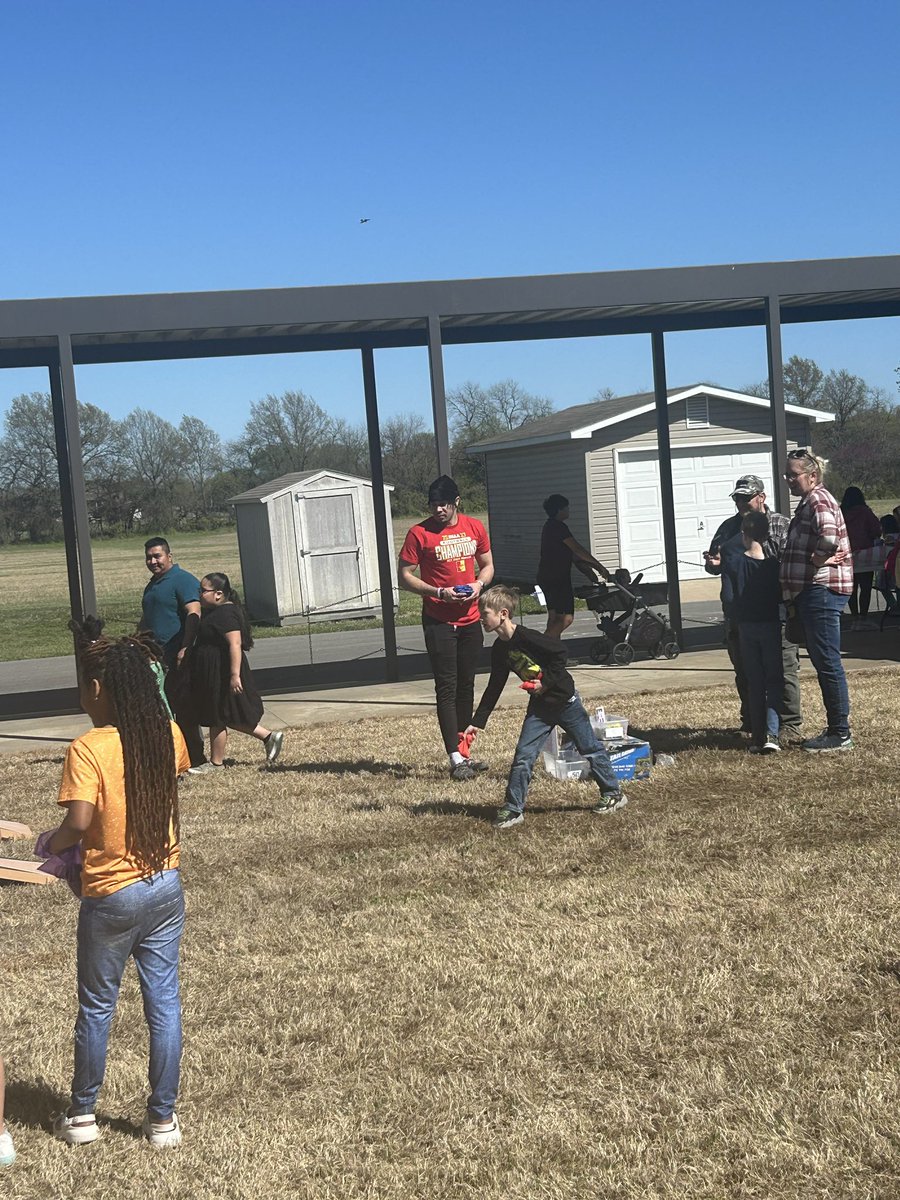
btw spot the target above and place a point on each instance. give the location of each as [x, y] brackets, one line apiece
[540, 661]
[749, 496]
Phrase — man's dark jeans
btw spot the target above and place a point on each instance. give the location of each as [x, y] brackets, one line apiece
[820, 611]
[453, 651]
[789, 710]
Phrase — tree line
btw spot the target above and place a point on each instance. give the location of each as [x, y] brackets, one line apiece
[144, 472]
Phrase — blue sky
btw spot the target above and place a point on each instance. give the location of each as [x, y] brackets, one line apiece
[197, 146]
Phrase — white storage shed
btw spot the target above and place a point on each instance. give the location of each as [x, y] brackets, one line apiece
[603, 457]
[308, 550]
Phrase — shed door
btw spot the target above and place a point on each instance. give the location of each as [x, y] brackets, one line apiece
[702, 482]
[329, 549]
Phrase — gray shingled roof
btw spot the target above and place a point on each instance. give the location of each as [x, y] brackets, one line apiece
[606, 412]
[262, 490]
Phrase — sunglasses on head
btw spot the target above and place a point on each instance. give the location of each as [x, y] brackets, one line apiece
[804, 453]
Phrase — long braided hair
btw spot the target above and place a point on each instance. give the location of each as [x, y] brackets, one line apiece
[122, 667]
[220, 581]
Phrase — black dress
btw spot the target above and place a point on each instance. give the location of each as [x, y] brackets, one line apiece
[210, 665]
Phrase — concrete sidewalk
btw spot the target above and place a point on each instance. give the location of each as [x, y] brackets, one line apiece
[694, 669]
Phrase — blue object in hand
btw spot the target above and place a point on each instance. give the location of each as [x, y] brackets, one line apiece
[464, 589]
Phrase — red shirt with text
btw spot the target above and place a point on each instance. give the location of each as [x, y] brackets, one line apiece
[445, 556]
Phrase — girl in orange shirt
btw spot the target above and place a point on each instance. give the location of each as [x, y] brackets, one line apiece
[119, 790]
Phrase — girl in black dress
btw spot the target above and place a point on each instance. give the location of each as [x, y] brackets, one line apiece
[221, 682]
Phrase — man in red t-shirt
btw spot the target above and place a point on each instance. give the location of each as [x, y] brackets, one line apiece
[446, 548]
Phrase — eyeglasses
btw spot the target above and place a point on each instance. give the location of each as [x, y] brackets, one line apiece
[799, 453]
[202, 590]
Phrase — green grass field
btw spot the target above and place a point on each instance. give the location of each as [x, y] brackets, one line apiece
[34, 593]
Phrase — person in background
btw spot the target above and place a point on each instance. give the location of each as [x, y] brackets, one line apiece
[749, 496]
[554, 573]
[445, 549]
[816, 578]
[120, 796]
[224, 694]
[889, 529]
[759, 614]
[863, 527]
[170, 609]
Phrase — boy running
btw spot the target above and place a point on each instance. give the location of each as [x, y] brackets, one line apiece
[541, 662]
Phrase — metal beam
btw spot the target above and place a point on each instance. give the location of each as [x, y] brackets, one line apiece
[438, 396]
[383, 540]
[667, 495]
[76, 525]
[781, 498]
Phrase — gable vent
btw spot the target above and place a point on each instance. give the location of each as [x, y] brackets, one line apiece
[697, 412]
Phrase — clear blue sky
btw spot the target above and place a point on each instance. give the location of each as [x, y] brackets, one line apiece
[198, 145]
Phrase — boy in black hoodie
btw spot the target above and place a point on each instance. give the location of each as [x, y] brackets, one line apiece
[540, 662]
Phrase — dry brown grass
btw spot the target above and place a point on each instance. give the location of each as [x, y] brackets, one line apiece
[384, 997]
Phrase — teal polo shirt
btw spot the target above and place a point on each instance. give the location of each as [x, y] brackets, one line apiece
[162, 607]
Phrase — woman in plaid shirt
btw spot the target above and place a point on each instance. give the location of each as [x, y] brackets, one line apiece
[817, 577]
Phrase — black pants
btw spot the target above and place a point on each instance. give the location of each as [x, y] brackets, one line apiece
[453, 652]
[178, 693]
[862, 583]
[789, 711]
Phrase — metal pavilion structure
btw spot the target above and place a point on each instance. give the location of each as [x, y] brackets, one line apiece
[61, 334]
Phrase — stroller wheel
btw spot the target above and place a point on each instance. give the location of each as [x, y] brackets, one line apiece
[623, 654]
[599, 650]
[671, 649]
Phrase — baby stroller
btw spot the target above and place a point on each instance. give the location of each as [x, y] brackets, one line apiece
[625, 620]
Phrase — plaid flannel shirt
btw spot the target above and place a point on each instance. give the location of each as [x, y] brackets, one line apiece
[817, 528]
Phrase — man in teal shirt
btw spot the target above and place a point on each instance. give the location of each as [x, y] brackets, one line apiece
[170, 609]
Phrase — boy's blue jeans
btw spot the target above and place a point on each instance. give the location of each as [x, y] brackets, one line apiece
[146, 920]
[538, 723]
[761, 655]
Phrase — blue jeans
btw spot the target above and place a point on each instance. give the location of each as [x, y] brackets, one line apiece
[761, 656]
[820, 611]
[146, 920]
[537, 725]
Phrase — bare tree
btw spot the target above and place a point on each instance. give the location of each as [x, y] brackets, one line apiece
[283, 434]
[154, 452]
[202, 455]
[478, 412]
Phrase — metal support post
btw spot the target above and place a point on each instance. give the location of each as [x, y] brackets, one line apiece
[73, 497]
[781, 498]
[667, 496]
[438, 395]
[383, 539]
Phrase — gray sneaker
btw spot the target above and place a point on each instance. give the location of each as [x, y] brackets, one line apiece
[206, 768]
[827, 743]
[507, 817]
[610, 802]
[273, 744]
[461, 773]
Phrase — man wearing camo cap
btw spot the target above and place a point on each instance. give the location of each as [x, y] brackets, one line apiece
[749, 496]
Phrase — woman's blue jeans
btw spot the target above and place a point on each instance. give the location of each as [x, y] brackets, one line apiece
[144, 920]
[820, 611]
[538, 723]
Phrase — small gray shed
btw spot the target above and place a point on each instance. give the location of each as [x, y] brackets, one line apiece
[307, 546]
[603, 457]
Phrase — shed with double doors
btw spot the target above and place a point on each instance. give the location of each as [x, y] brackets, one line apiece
[603, 457]
[307, 547]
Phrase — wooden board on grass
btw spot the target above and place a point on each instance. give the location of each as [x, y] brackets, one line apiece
[23, 870]
[14, 829]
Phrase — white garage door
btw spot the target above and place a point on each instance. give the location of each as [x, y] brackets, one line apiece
[703, 482]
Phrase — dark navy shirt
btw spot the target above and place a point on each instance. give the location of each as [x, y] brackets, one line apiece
[756, 592]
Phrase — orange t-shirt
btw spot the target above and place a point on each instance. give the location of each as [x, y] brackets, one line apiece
[94, 771]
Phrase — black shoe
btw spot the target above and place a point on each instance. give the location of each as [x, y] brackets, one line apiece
[476, 765]
[461, 773]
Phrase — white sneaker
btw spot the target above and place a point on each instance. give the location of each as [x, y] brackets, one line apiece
[206, 768]
[7, 1149]
[76, 1131]
[164, 1134]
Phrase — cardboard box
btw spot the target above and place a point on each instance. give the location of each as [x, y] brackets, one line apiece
[629, 758]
